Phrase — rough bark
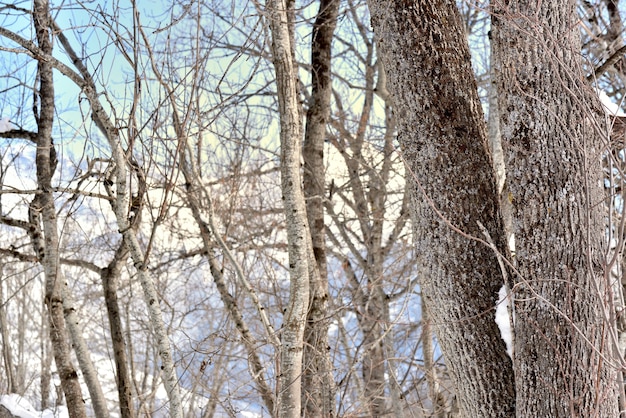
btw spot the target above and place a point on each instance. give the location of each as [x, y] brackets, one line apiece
[563, 353]
[436, 397]
[318, 388]
[43, 209]
[299, 240]
[443, 137]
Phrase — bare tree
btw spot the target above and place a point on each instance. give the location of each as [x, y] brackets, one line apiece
[318, 388]
[564, 344]
[299, 238]
[553, 162]
[443, 138]
[42, 210]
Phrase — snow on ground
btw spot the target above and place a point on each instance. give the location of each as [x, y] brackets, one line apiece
[20, 407]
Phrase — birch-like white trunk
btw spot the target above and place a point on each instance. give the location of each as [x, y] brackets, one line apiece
[120, 208]
[42, 214]
[98, 401]
[299, 239]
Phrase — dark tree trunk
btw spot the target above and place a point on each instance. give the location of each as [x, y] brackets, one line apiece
[318, 386]
[443, 137]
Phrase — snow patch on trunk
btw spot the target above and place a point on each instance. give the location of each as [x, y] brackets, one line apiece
[610, 107]
[503, 318]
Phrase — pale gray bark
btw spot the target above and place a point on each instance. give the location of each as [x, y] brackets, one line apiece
[7, 352]
[563, 349]
[497, 156]
[46, 363]
[121, 206]
[444, 142]
[42, 210]
[299, 240]
[435, 395]
[120, 203]
[495, 140]
[85, 364]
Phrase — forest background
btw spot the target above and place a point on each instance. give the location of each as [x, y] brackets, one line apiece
[205, 209]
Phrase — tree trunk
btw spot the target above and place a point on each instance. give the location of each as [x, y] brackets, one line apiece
[90, 376]
[110, 278]
[443, 137]
[43, 207]
[318, 389]
[299, 240]
[7, 352]
[121, 204]
[563, 352]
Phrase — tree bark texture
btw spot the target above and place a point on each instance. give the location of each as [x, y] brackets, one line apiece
[43, 209]
[443, 138]
[318, 389]
[563, 352]
[299, 239]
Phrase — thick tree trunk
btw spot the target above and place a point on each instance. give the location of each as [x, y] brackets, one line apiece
[298, 236]
[563, 352]
[318, 389]
[443, 137]
[43, 208]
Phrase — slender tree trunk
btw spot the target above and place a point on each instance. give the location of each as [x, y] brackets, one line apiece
[373, 356]
[81, 351]
[318, 389]
[497, 155]
[436, 397]
[110, 279]
[563, 352]
[443, 137]
[46, 362]
[43, 206]
[299, 239]
[7, 355]
[121, 204]
[194, 190]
